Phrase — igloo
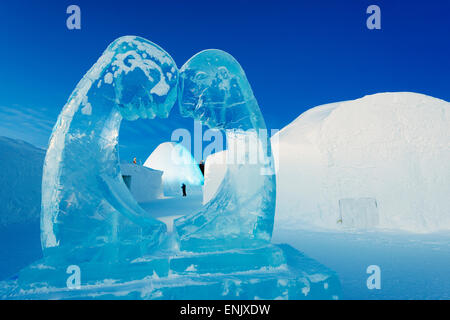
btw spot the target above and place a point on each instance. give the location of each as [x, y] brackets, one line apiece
[385, 156]
[178, 167]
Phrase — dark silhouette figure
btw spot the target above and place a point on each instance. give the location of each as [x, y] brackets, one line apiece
[183, 188]
[201, 165]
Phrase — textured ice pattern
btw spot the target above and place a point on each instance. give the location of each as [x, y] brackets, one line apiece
[84, 199]
[90, 219]
[215, 91]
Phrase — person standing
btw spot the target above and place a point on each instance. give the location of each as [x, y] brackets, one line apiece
[183, 188]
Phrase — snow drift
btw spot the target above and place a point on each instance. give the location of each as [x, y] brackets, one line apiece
[178, 167]
[20, 204]
[382, 161]
[20, 181]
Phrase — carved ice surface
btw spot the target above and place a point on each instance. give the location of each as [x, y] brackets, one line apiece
[90, 219]
[84, 200]
[215, 90]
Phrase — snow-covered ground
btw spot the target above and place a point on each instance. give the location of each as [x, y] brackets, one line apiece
[169, 208]
[413, 266]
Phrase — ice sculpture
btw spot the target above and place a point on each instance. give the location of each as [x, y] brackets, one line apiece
[90, 220]
[215, 90]
[84, 200]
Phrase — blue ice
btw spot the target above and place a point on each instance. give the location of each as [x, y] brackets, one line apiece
[215, 91]
[84, 199]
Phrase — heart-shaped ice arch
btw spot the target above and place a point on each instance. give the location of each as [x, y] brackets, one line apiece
[85, 202]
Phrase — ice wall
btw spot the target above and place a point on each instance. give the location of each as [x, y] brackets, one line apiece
[85, 202]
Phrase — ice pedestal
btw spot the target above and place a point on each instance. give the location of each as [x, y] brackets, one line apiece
[272, 272]
[90, 220]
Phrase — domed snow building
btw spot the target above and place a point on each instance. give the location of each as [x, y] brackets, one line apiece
[178, 167]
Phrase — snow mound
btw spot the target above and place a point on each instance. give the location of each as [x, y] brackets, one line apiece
[178, 167]
[382, 161]
[20, 182]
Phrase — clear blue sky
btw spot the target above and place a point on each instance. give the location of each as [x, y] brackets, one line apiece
[296, 54]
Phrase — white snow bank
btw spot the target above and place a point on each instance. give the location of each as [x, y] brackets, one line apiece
[178, 167]
[382, 161]
[20, 182]
[145, 184]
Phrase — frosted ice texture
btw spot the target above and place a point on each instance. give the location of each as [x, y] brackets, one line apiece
[214, 90]
[84, 199]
